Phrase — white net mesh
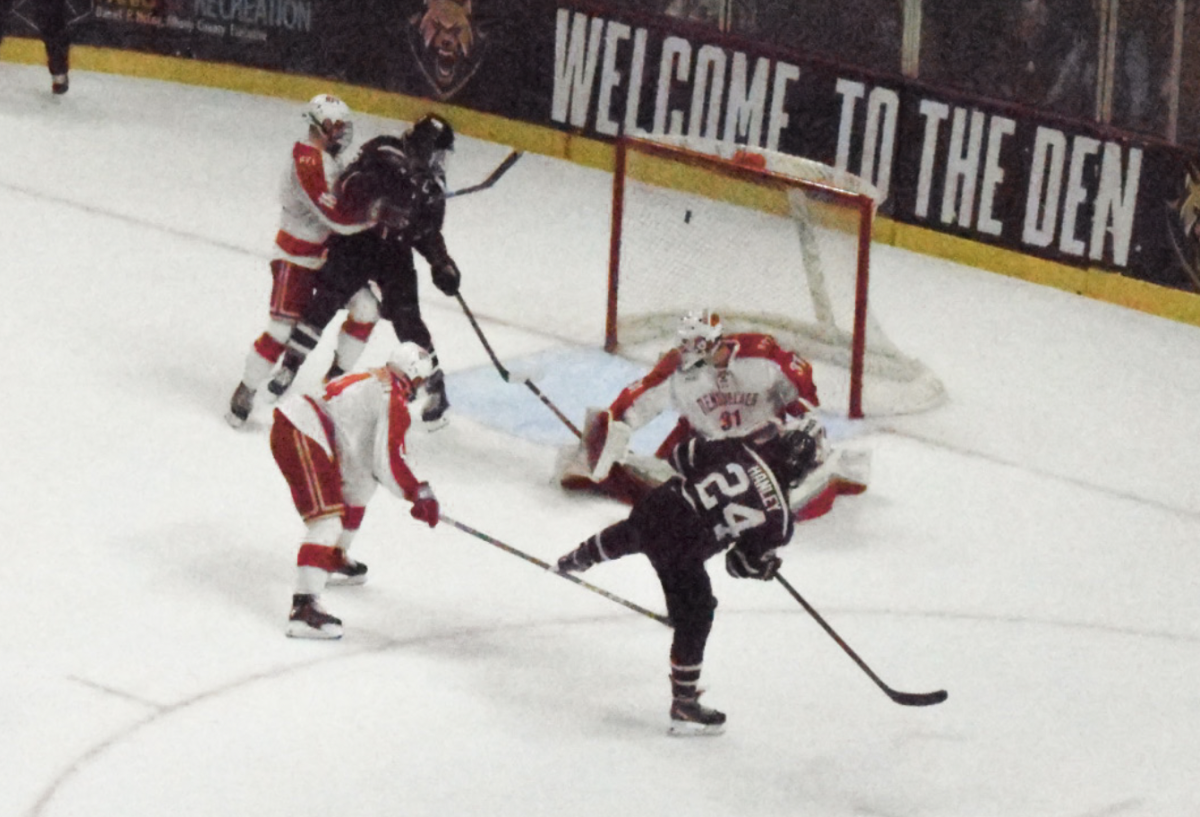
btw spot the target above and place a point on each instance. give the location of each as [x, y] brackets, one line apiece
[765, 254]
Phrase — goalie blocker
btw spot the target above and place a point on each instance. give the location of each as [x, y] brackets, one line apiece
[602, 462]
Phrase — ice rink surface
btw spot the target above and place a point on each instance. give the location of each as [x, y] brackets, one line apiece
[1033, 546]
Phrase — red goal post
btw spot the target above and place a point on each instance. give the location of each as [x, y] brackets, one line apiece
[772, 243]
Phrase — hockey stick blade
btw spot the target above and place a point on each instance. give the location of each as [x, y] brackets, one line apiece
[500, 170]
[902, 698]
[917, 698]
[661, 619]
[506, 375]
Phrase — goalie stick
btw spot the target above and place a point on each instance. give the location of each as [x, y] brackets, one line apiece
[661, 619]
[500, 170]
[505, 374]
[902, 698]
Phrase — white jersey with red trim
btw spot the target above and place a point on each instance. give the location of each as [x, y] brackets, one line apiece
[310, 211]
[750, 382]
[363, 419]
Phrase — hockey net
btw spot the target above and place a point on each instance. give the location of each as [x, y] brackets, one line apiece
[772, 243]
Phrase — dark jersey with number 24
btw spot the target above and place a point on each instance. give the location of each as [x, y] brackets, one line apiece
[726, 494]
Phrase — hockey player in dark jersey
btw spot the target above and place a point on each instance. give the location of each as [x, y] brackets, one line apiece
[729, 495]
[401, 181]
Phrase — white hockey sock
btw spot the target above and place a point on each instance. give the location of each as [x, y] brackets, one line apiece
[310, 580]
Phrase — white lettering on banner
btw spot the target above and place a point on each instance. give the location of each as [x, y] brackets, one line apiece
[610, 78]
[1076, 195]
[676, 52]
[294, 15]
[1041, 207]
[727, 99]
[1113, 198]
[993, 174]
[746, 101]
[1116, 202]
[710, 66]
[879, 134]
[962, 168]
[935, 113]
[574, 67]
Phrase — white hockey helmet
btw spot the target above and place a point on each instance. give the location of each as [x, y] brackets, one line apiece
[412, 362]
[699, 333]
[331, 118]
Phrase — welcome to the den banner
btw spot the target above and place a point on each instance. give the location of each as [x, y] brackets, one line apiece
[1002, 175]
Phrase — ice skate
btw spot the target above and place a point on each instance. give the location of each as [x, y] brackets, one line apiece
[689, 718]
[309, 620]
[59, 84]
[283, 379]
[349, 573]
[240, 405]
[433, 415]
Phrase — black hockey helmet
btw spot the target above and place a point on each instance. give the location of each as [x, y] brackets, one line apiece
[790, 452]
[428, 139]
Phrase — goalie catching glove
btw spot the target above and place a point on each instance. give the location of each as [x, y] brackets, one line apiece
[743, 565]
[425, 505]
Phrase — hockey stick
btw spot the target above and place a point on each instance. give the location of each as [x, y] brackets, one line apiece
[902, 698]
[504, 373]
[661, 619]
[500, 170]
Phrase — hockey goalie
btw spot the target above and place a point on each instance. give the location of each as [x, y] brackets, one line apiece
[722, 386]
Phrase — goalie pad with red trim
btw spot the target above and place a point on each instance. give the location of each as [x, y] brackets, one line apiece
[605, 442]
[601, 461]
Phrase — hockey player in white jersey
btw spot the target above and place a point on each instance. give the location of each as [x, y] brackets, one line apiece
[310, 213]
[334, 451]
[722, 386]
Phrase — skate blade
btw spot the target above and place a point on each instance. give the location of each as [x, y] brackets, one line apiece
[338, 580]
[235, 421]
[691, 729]
[298, 629]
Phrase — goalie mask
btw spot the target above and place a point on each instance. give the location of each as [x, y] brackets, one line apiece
[412, 364]
[699, 335]
[331, 118]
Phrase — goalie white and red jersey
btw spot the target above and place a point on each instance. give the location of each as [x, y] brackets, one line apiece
[310, 211]
[752, 381]
[361, 423]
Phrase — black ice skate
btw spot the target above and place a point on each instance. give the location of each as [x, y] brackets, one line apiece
[350, 572]
[309, 620]
[433, 415]
[240, 405]
[689, 718]
[282, 381]
[60, 84]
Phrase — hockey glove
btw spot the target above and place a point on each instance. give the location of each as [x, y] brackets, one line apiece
[743, 565]
[425, 506]
[446, 277]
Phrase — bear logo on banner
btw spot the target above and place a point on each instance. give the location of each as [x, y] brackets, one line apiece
[1183, 224]
[447, 45]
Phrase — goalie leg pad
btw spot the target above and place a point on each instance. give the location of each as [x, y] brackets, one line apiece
[845, 473]
[605, 442]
